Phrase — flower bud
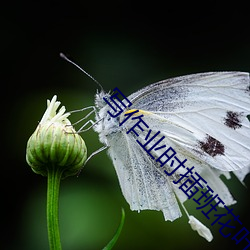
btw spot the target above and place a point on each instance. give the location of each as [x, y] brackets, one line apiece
[55, 144]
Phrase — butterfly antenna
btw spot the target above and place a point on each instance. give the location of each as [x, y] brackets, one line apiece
[90, 76]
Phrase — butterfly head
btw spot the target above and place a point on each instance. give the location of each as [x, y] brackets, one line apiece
[105, 125]
[99, 101]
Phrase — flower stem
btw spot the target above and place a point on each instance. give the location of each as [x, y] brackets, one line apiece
[54, 177]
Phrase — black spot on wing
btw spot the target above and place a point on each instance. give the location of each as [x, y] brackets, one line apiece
[248, 89]
[212, 146]
[233, 119]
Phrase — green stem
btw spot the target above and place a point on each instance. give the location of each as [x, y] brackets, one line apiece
[54, 177]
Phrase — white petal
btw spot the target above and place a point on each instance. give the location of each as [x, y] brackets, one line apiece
[202, 230]
[48, 113]
[51, 114]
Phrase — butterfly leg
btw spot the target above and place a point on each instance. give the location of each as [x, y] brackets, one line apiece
[92, 154]
[81, 129]
[95, 152]
[86, 116]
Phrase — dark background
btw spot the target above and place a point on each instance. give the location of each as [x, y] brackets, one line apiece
[123, 44]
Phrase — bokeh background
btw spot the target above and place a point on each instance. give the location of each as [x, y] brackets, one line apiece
[123, 44]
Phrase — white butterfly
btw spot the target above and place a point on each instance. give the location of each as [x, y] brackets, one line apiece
[203, 118]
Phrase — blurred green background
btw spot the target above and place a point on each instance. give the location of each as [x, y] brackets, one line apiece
[122, 45]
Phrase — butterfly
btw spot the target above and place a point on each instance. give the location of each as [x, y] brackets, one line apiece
[203, 117]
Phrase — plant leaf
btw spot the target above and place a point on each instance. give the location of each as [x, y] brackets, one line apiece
[117, 234]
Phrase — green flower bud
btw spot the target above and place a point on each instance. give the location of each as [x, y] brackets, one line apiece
[55, 144]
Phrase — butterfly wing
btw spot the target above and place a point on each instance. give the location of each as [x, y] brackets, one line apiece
[148, 145]
[204, 115]
[142, 184]
[203, 118]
